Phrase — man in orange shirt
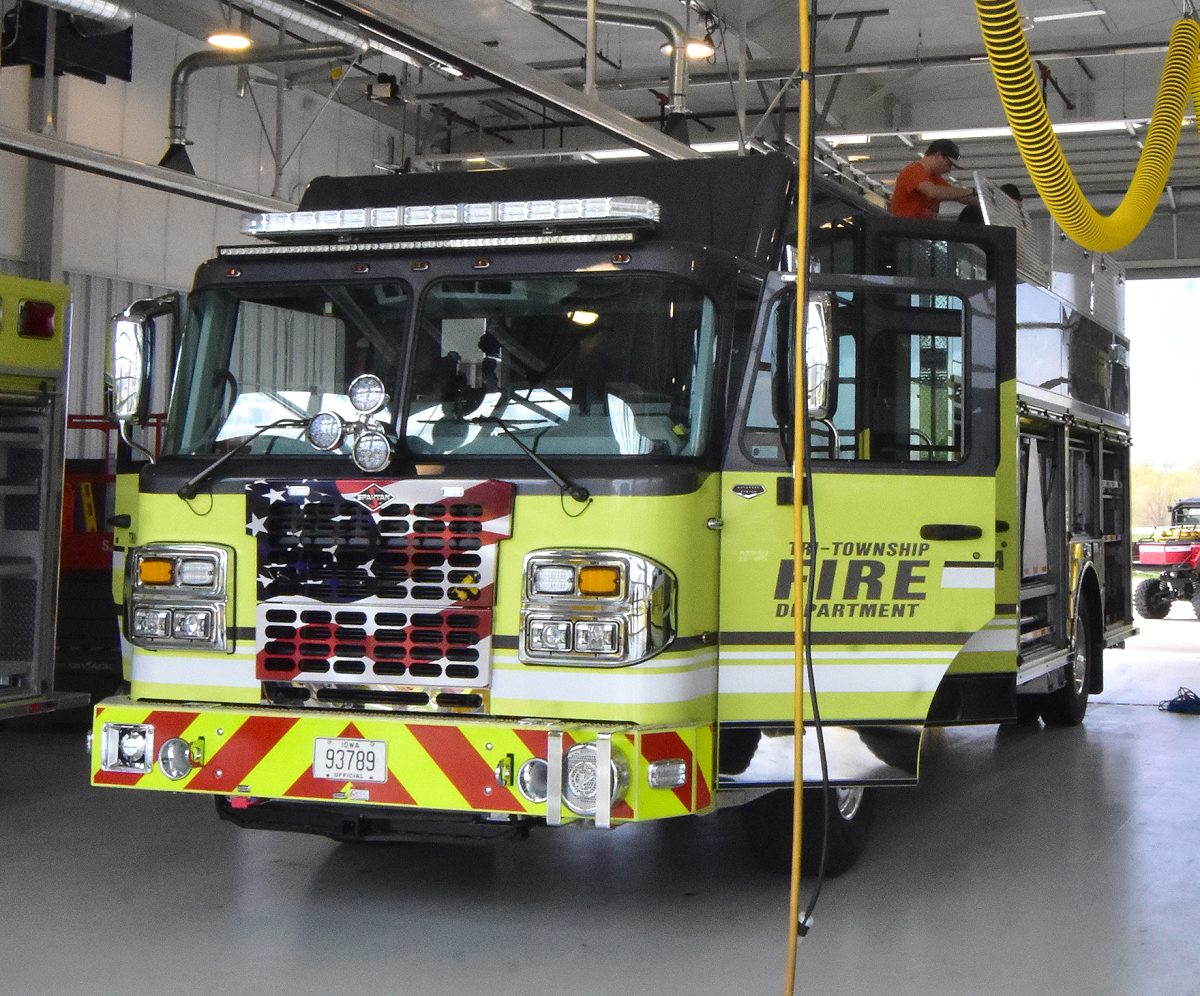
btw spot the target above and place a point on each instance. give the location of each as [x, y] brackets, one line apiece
[922, 186]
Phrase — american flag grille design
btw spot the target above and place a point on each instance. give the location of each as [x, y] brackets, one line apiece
[311, 643]
[377, 586]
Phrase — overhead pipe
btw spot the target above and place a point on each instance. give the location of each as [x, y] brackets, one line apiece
[328, 29]
[633, 18]
[48, 149]
[113, 16]
[398, 23]
[176, 156]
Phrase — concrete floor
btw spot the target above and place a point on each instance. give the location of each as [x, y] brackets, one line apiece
[1028, 861]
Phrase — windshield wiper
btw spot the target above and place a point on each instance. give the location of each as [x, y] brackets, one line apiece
[576, 491]
[192, 487]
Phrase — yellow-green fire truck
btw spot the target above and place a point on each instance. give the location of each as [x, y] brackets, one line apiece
[474, 509]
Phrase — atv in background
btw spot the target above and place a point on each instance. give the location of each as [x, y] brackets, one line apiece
[1175, 549]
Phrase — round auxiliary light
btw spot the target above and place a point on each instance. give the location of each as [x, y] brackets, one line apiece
[175, 759]
[372, 451]
[531, 779]
[325, 431]
[580, 782]
[367, 394]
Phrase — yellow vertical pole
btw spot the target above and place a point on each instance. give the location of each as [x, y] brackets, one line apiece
[799, 443]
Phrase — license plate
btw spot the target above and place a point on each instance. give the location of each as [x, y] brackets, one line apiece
[346, 760]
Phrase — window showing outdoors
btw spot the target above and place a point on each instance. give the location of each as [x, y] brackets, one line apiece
[588, 364]
[278, 355]
[899, 395]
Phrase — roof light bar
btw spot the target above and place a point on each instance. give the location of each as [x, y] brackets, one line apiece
[414, 245]
[466, 215]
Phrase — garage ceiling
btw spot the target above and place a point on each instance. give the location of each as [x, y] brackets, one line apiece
[890, 75]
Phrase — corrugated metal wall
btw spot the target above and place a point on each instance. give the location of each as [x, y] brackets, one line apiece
[94, 300]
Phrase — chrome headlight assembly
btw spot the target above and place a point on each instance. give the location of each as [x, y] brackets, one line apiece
[595, 608]
[176, 596]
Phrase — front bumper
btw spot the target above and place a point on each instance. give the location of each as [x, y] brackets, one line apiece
[434, 763]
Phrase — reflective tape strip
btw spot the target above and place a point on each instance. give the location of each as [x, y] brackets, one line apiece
[604, 780]
[616, 686]
[848, 655]
[554, 778]
[997, 636]
[167, 669]
[776, 678]
[232, 762]
[983, 576]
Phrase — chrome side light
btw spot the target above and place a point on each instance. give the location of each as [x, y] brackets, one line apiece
[326, 431]
[581, 778]
[175, 759]
[531, 779]
[605, 608]
[367, 394]
[127, 747]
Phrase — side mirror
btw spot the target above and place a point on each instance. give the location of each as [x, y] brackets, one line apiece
[820, 360]
[129, 359]
[820, 355]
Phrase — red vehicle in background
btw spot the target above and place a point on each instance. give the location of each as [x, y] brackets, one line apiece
[1176, 550]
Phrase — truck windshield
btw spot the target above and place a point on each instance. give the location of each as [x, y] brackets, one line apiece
[581, 364]
[283, 352]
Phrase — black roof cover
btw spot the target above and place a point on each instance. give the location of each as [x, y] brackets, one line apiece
[737, 204]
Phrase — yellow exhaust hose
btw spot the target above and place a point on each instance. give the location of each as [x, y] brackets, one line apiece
[1025, 108]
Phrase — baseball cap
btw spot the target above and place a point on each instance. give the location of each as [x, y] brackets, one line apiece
[943, 147]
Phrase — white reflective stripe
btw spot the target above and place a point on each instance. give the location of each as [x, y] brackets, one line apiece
[163, 669]
[615, 686]
[603, 780]
[846, 655]
[508, 660]
[554, 778]
[882, 678]
[997, 638]
[969, 577]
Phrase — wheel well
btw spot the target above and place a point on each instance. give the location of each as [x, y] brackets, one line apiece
[1089, 593]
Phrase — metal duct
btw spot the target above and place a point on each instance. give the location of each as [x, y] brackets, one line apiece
[399, 23]
[628, 17]
[115, 15]
[55, 150]
[176, 157]
[328, 29]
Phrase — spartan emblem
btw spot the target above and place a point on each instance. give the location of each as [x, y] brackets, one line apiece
[748, 490]
[372, 498]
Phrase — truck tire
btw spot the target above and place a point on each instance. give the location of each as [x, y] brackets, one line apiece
[768, 823]
[1196, 602]
[1152, 599]
[1065, 706]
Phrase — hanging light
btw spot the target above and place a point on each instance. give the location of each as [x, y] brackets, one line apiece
[230, 40]
[696, 48]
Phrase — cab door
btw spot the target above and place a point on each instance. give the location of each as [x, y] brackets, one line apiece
[901, 535]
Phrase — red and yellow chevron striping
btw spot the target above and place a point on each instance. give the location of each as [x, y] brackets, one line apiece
[426, 762]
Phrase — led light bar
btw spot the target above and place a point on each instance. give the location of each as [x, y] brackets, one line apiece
[414, 245]
[466, 215]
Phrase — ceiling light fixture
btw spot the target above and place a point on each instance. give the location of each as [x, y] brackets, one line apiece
[229, 40]
[697, 48]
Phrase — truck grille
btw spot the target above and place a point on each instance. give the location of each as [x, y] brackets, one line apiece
[377, 592]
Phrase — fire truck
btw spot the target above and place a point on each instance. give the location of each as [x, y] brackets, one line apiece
[34, 321]
[474, 507]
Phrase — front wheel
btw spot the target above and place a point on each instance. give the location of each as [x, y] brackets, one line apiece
[1152, 599]
[768, 822]
[1196, 602]
[1066, 705]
